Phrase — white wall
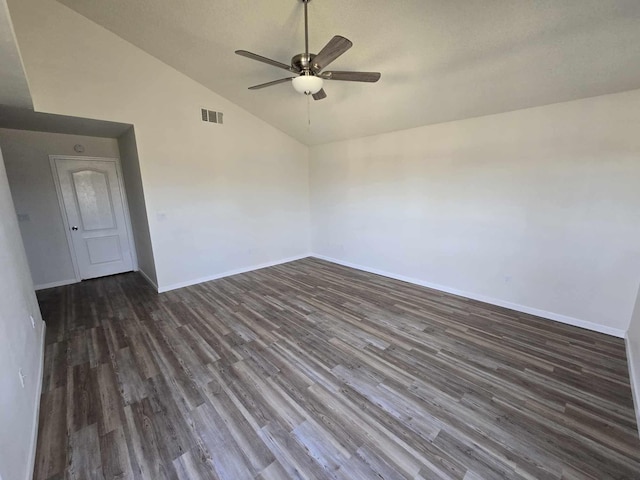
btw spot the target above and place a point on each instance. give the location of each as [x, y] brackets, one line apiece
[137, 207]
[34, 194]
[20, 347]
[633, 356]
[219, 197]
[536, 209]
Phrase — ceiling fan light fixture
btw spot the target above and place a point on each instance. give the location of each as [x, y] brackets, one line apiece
[307, 84]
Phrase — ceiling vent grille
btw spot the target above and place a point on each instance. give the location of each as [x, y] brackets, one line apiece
[210, 116]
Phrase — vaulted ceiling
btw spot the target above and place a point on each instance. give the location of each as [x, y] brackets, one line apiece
[441, 60]
[14, 89]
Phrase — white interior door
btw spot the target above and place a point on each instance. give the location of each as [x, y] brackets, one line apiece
[95, 211]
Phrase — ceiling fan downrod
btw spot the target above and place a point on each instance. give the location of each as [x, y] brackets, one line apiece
[307, 83]
[306, 29]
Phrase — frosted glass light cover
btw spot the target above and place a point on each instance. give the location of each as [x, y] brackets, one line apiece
[307, 84]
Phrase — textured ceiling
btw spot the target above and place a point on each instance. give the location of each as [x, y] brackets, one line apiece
[440, 60]
[14, 89]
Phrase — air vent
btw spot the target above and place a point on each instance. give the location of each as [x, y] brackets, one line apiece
[210, 116]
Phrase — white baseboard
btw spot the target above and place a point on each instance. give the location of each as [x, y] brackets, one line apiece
[634, 380]
[229, 273]
[34, 432]
[148, 279]
[55, 284]
[576, 322]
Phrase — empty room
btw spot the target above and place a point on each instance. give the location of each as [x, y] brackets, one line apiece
[317, 239]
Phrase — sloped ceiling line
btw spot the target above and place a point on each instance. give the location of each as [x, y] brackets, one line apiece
[440, 61]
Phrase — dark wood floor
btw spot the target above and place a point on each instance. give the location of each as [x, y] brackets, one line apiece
[312, 370]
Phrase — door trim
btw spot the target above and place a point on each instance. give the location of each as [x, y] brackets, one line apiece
[63, 214]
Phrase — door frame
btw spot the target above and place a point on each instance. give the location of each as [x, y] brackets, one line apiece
[63, 210]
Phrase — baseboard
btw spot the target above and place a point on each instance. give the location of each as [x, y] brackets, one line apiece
[55, 284]
[34, 433]
[229, 273]
[148, 279]
[634, 381]
[576, 322]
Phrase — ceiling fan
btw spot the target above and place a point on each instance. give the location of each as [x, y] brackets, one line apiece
[308, 66]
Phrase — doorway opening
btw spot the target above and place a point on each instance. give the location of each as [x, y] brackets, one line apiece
[78, 194]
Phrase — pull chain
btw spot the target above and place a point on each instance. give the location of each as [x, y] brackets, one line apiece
[309, 111]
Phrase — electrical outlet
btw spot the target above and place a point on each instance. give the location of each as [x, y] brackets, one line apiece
[33, 321]
[22, 377]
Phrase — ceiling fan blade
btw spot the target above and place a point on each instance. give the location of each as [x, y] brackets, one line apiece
[268, 84]
[268, 61]
[332, 50]
[352, 76]
[320, 94]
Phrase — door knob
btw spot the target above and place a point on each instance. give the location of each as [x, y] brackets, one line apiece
[74, 228]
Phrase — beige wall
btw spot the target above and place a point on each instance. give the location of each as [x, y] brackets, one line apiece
[219, 198]
[20, 347]
[34, 194]
[537, 209]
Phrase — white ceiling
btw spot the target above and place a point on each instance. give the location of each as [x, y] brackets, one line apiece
[14, 89]
[440, 60]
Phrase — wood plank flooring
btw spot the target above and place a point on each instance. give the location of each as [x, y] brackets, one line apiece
[312, 370]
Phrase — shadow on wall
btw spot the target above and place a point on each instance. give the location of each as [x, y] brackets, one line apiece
[29, 139]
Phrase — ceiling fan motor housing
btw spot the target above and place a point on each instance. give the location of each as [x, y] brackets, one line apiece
[303, 62]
